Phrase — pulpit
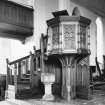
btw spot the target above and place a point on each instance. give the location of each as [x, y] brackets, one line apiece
[69, 41]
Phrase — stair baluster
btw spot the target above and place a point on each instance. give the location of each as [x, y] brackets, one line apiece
[15, 77]
[31, 70]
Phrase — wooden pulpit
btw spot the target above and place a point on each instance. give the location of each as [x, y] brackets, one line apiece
[69, 41]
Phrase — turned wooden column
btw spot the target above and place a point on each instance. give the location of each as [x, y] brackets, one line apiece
[7, 79]
[19, 70]
[7, 76]
[36, 59]
[42, 53]
[15, 78]
[31, 70]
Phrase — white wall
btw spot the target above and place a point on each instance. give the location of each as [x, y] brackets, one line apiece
[4, 53]
[43, 9]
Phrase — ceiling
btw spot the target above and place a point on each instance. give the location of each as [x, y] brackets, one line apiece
[97, 6]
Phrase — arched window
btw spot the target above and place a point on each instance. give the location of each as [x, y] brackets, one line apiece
[99, 40]
[76, 12]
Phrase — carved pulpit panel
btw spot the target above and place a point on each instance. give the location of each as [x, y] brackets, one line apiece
[69, 36]
[55, 38]
[83, 43]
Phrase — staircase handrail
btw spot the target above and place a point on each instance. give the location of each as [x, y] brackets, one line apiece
[23, 58]
[18, 60]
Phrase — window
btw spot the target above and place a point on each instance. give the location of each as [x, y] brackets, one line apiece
[99, 40]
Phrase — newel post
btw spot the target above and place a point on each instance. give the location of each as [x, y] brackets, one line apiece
[36, 59]
[7, 62]
[42, 53]
[15, 78]
[7, 79]
[31, 69]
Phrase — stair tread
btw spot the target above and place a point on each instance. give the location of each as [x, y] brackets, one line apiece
[24, 82]
[23, 79]
[27, 74]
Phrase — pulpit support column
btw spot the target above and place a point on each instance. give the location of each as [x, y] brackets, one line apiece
[68, 76]
[68, 85]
